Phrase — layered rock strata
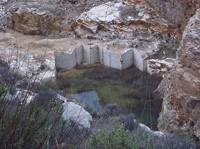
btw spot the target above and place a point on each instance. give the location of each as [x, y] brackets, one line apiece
[32, 18]
[177, 12]
[182, 87]
[122, 17]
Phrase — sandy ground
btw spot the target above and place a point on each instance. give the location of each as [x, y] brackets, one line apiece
[39, 45]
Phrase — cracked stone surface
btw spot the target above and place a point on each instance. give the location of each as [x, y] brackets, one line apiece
[182, 95]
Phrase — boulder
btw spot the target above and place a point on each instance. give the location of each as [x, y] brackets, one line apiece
[61, 98]
[76, 113]
[71, 111]
[89, 100]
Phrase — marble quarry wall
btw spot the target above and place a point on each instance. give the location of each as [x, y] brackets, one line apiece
[139, 60]
[94, 54]
[127, 59]
[65, 60]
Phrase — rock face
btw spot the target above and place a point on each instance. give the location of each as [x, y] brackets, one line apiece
[176, 11]
[32, 18]
[47, 17]
[121, 17]
[182, 91]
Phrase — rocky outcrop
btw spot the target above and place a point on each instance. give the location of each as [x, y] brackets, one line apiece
[33, 69]
[46, 17]
[176, 11]
[121, 17]
[182, 92]
[160, 67]
[33, 18]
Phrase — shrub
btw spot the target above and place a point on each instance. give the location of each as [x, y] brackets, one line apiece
[117, 138]
[36, 125]
[28, 126]
[2, 90]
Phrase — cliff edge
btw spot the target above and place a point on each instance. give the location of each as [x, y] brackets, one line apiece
[181, 102]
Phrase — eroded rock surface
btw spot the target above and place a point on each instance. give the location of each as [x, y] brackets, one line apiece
[45, 16]
[160, 67]
[32, 18]
[182, 94]
[121, 19]
[176, 11]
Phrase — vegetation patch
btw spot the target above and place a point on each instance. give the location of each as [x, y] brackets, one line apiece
[133, 93]
[118, 138]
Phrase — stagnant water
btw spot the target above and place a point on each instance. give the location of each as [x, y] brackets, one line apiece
[131, 89]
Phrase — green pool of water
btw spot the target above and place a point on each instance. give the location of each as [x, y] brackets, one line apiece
[131, 89]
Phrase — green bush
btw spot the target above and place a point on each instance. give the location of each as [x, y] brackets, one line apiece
[26, 126]
[38, 124]
[117, 138]
[3, 90]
